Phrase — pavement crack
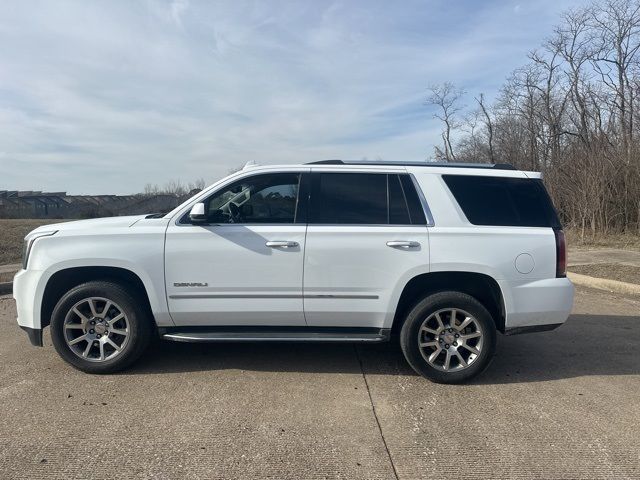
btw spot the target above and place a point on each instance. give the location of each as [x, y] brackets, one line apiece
[375, 414]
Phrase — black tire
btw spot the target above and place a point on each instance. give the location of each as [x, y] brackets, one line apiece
[140, 326]
[410, 337]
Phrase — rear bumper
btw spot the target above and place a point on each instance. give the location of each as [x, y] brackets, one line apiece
[537, 306]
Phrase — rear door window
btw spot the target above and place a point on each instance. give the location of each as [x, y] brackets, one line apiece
[416, 211]
[349, 198]
[398, 210]
[364, 199]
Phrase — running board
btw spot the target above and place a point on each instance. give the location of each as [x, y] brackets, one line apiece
[299, 335]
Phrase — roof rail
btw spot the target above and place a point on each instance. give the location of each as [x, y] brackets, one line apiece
[503, 166]
[327, 162]
[496, 166]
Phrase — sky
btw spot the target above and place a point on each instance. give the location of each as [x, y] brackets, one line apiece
[104, 97]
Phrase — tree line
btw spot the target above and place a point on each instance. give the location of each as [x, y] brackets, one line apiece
[571, 112]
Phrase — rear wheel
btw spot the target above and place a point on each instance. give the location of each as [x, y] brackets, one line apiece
[448, 337]
[98, 327]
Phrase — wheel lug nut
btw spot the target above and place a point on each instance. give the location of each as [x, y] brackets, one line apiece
[457, 335]
[91, 331]
[455, 344]
[92, 322]
[98, 335]
[446, 346]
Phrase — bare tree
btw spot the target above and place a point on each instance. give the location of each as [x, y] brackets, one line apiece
[571, 112]
[446, 97]
[488, 123]
[174, 187]
[616, 31]
[198, 184]
[151, 189]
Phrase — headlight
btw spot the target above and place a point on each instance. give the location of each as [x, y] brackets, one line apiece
[28, 243]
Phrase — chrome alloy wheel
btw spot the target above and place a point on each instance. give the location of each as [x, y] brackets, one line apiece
[450, 339]
[96, 329]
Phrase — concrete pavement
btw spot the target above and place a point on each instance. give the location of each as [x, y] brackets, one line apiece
[560, 404]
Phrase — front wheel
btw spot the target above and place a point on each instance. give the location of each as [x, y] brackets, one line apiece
[98, 327]
[448, 337]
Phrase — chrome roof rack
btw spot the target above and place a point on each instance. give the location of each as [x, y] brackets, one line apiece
[496, 166]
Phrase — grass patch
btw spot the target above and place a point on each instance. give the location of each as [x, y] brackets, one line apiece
[626, 241]
[7, 276]
[12, 232]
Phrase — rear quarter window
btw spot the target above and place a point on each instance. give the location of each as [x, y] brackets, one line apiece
[503, 201]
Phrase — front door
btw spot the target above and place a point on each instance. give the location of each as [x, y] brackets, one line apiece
[244, 267]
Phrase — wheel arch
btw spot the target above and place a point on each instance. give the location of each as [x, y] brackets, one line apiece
[65, 279]
[481, 286]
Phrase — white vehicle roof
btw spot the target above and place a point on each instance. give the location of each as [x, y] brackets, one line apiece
[439, 168]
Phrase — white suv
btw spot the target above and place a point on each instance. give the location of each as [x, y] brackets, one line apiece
[441, 255]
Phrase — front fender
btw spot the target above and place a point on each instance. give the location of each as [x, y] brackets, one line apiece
[138, 249]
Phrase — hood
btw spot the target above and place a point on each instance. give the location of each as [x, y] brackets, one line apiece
[93, 223]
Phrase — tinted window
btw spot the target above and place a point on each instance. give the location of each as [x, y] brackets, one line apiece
[416, 212]
[518, 202]
[398, 211]
[349, 198]
[257, 199]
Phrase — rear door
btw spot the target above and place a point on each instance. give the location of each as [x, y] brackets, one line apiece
[366, 236]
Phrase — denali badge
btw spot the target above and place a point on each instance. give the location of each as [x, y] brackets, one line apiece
[190, 284]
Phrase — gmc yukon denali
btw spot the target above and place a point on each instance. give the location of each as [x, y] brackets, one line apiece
[439, 257]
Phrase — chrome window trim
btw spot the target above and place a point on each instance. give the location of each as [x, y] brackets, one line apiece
[386, 225]
[367, 225]
[425, 206]
[241, 225]
[347, 296]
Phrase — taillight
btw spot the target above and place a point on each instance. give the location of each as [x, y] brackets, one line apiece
[561, 254]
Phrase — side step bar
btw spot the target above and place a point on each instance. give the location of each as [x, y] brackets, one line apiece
[298, 335]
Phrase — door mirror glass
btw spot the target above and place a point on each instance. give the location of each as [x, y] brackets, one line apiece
[197, 214]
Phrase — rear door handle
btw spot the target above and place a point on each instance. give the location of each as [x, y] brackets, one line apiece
[281, 243]
[403, 244]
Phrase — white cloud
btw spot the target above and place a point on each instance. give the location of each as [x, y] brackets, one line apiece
[178, 7]
[106, 97]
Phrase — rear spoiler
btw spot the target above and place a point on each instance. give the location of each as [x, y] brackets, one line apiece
[535, 175]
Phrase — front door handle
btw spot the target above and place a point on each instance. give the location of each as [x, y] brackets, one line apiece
[281, 243]
[403, 244]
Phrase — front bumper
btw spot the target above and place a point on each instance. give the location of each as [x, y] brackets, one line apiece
[25, 293]
[35, 336]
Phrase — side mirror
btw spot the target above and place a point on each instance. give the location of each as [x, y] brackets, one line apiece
[197, 213]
